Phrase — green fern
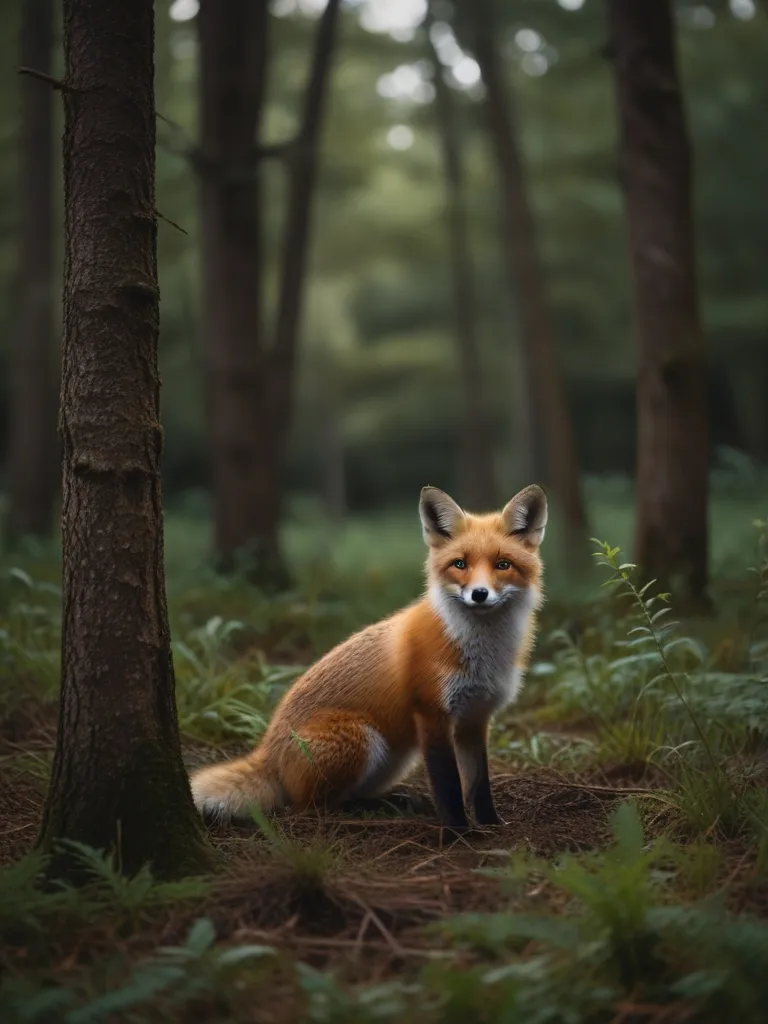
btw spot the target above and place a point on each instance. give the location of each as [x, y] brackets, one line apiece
[652, 640]
[130, 896]
[25, 905]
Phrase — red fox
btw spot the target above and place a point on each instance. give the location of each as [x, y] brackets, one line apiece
[427, 679]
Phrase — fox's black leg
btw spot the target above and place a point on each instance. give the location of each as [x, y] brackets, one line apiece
[472, 753]
[440, 760]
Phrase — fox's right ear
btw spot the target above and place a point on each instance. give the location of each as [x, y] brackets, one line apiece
[441, 517]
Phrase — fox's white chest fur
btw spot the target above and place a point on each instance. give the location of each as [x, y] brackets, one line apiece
[489, 643]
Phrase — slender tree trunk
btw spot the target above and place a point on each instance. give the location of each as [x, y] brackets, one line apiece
[118, 780]
[250, 383]
[544, 371]
[33, 452]
[302, 170]
[244, 469]
[673, 445]
[478, 483]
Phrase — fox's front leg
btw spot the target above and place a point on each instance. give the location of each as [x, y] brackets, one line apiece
[471, 741]
[436, 743]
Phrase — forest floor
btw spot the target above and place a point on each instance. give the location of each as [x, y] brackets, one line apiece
[629, 884]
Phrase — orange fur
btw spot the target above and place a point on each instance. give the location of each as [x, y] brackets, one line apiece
[352, 724]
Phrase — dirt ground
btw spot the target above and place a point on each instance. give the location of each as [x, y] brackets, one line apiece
[385, 875]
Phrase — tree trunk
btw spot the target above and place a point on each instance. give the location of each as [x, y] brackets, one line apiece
[544, 372]
[244, 467]
[250, 384]
[302, 170]
[118, 780]
[33, 462]
[477, 464]
[672, 446]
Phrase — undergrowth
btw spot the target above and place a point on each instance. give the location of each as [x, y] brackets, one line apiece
[667, 918]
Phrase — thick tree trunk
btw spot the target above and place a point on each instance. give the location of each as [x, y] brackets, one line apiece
[245, 472]
[118, 780]
[544, 371]
[477, 469]
[33, 463]
[673, 445]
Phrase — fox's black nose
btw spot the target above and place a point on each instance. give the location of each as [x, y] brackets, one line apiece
[479, 594]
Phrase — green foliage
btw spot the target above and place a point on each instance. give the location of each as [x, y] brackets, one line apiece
[28, 900]
[615, 891]
[218, 698]
[174, 977]
[380, 283]
[650, 641]
[176, 974]
[24, 903]
[308, 863]
[623, 933]
[613, 685]
[30, 625]
[126, 896]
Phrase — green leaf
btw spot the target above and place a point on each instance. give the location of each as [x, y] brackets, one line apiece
[628, 832]
[237, 954]
[201, 936]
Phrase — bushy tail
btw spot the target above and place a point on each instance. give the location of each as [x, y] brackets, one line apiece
[224, 791]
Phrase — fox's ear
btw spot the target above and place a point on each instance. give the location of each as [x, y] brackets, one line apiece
[441, 517]
[525, 516]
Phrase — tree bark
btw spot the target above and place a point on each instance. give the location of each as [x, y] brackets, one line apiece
[244, 471]
[250, 383]
[302, 185]
[33, 462]
[543, 368]
[673, 444]
[118, 780]
[477, 469]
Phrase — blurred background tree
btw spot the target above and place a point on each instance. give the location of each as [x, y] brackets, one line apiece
[378, 404]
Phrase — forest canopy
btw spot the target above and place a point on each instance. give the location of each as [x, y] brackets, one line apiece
[378, 321]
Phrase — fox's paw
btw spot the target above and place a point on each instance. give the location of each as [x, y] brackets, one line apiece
[489, 820]
[451, 833]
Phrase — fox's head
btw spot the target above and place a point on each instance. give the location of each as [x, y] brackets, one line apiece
[484, 561]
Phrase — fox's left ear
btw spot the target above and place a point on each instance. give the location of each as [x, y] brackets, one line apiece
[441, 518]
[525, 516]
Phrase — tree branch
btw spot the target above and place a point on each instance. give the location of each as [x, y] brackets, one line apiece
[42, 76]
[161, 216]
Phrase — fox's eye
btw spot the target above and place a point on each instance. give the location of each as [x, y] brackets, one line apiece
[459, 563]
[503, 565]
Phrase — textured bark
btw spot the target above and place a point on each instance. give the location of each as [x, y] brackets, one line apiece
[118, 780]
[33, 464]
[478, 483]
[250, 383]
[543, 368]
[673, 444]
